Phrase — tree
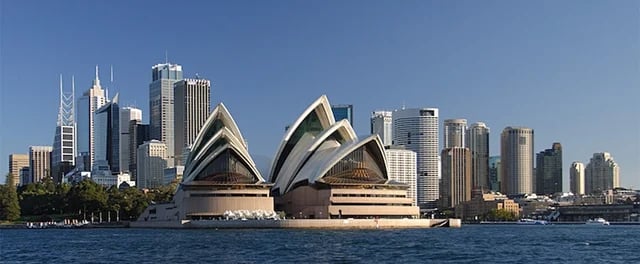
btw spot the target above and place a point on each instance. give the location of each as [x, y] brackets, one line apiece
[9, 206]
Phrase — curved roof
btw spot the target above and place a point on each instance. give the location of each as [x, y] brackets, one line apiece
[219, 135]
[317, 117]
[317, 167]
[340, 132]
[219, 118]
[318, 149]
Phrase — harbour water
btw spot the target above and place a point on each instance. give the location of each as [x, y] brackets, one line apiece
[469, 244]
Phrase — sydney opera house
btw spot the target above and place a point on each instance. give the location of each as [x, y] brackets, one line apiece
[321, 170]
[219, 176]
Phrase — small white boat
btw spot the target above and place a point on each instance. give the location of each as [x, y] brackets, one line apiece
[597, 221]
[527, 221]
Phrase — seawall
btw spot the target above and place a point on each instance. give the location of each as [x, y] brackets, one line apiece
[303, 223]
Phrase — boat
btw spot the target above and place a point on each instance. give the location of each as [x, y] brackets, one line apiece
[597, 221]
[528, 221]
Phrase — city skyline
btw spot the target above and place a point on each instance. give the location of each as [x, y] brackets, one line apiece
[572, 74]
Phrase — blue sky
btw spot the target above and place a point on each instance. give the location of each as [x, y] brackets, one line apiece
[568, 69]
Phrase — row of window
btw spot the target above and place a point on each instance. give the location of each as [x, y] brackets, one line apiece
[229, 195]
[367, 195]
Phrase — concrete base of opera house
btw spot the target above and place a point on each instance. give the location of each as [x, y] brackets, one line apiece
[302, 223]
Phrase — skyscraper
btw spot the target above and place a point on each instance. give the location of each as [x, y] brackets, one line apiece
[151, 164]
[495, 178]
[192, 104]
[139, 135]
[402, 168]
[343, 111]
[576, 178]
[39, 163]
[161, 103]
[16, 163]
[454, 133]
[90, 101]
[456, 176]
[477, 140]
[602, 173]
[107, 135]
[516, 154]
[417, 129]
[127, 114]
[64, 142]
[381, 124]
[549, 170]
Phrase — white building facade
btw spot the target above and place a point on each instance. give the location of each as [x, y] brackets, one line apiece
[90, 101]
[576, 178]
[402, 168]
[417, 129]
[382, 124]
[192, 104]
[127, 114]
[602, 173]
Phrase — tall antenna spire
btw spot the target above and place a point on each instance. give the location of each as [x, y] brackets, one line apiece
[112, 74]
[96, 81]
[61, 110]
[166, 56]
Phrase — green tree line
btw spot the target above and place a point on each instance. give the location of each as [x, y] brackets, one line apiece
[48, 200]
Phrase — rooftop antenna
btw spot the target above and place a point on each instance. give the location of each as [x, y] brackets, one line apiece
[112, 74]
[166, 57]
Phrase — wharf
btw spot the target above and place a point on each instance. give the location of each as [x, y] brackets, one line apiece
[302, 224]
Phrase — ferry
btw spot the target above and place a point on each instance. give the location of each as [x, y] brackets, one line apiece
[597, 221]
[527, 221]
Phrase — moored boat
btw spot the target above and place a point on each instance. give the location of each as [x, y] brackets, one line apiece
[597, 221]
[527, 221]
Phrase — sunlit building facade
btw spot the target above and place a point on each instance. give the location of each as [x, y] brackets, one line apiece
[517, 160]
[417, 129]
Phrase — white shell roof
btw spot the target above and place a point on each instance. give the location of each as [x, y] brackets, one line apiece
[202, 153]
[313, 155]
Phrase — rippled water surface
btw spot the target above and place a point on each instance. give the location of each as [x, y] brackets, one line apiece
[469, 244]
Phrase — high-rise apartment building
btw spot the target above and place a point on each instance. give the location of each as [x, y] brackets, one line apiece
[382, 124]
[477, 140]
[343, 111]
[127, 114]
[549, 170]
[39, 163]
[417, 129]
[494, 173]
[16, 163]
[402, 168]
[161, 105]
[64, 141]
[601, 174]
[456, 176]
[139, 135]
[90, 101]
[192, 104]
[516, 154]
[151, 164]
[576, 178]
[107, 135]
[454, 133]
